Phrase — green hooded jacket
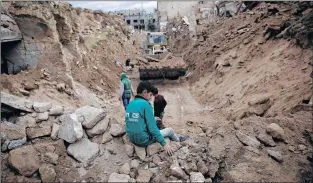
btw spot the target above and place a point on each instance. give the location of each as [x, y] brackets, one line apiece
[126, 82]
[141, 127]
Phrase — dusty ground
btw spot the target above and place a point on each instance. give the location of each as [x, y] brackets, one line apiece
[187, 116]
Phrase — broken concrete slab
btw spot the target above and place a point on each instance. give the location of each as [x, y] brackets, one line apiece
[52, 158]
[196, 177]
[125, 169]
[55, 131]
[25, 160]
[42, 116]
[134, 164]
[176, 171]
[99, 128]
[252, 149]
[275, 131]
[202, 167]
[29, 104]
[266, 139]
[183, 152]
[107, 137]
[36, 132]
[31, 85]
[47, 173]
[154, 148]
[140, 152]
[42, 106]
[246, 140]
[12, 131]
[14, 102]
[4, 145]
[71, 129]
[213, 168]
[91, 115]
[12, 135]
[275, 155]
[24, 92]
[129, 149]
[56, 111]
[115, 177]
[83, 150]
[117, 130]
[17, 143]
[26, 121]
[144, 176]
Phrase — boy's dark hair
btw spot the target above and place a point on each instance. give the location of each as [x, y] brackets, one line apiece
[145, 85]
[155, 91]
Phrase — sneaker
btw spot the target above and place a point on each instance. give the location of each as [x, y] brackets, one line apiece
[183, 138]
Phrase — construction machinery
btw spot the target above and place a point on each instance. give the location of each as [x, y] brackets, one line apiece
[157, 62]
[155, 43]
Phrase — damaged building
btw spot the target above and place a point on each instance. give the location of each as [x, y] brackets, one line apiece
[12, 58]
[195, 10]
[21, 42]
[140, 19]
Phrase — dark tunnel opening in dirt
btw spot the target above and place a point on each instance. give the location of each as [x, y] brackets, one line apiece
[12, 61]
[9, 113]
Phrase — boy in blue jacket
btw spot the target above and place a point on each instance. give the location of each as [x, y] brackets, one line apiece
[141, 126]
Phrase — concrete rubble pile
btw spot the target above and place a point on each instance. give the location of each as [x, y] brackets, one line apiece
[87, 135]
[42, 141]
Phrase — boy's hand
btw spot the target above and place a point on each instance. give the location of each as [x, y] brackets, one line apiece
[168, 149]
[157, 118]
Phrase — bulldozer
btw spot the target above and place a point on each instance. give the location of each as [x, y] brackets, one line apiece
[157, 62]
[155, 43]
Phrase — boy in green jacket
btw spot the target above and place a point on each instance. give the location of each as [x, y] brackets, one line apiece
[141, 126]
[126, 90]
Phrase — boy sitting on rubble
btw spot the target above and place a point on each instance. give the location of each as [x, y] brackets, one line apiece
[141, 127]
[159, 105]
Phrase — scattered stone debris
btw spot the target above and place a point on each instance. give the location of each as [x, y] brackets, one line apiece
[83, 150]
[266, 139]
[47, 173]
[71, 129]
[246, 140]
[196, 177]
[25, 160]
[117, 130]
[42, 107]
[91, 115]
[114, 177]
[275, 131]
[276, 155]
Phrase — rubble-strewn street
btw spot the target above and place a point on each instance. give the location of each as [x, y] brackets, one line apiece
[245, 99]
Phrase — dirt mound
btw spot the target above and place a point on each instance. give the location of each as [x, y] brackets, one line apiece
[255, 69]
[234, 56]
[70, 45]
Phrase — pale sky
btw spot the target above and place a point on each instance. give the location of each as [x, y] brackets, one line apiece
[106, 6]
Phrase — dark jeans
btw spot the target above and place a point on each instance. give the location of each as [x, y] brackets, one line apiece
[126, 98]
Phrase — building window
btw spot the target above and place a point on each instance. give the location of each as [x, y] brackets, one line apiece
[135, 21]
[128, 22]
[142, 21]
[153, 20]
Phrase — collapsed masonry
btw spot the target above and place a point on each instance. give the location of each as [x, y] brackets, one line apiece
[43, 137]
